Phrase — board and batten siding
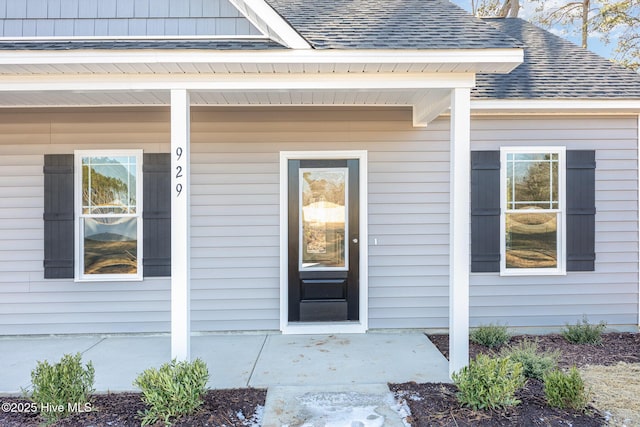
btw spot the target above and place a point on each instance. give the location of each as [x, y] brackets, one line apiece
[609, 293]
[99, 18]
[235, 219]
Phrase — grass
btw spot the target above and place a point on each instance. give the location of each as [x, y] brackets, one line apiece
[615, 390]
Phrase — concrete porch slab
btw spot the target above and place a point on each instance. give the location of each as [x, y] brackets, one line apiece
[18, 356]
[237, 360]
[348, 359]
[230, 359]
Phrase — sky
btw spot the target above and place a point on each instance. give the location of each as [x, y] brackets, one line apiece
[594, 43]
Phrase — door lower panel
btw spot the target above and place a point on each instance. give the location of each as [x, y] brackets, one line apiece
[323, 311]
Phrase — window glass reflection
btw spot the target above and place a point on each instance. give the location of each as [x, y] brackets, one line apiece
[109, 185]
[110, 245]
[322, 217]
[531, 240]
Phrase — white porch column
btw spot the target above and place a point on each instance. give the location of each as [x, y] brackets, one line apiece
[459, 229]
[180, 232]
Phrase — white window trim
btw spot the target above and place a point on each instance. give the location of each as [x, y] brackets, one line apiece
[78, 235]
[562, 234]
[361, 325]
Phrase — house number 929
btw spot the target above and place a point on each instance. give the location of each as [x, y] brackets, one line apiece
[179, 175]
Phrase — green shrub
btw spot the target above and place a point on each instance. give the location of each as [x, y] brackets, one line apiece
[490, 335]
[584, 332]
[63, 387]
[535, 363]
[174, 390]
[565, 390]
[489, 383]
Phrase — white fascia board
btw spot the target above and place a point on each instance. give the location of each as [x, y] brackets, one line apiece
[559, 106]
[267, 20]
[235, 82]
[485, 60]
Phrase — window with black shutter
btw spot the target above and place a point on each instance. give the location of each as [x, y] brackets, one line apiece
[109, 225]
[531, 248]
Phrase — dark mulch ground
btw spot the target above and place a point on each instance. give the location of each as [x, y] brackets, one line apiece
[228, 408]
[430, 404]
[436, 405]
[616, 347]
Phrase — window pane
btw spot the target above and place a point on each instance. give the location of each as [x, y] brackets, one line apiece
[110, 245]
[532, 181]
[108, 185]
[323, 213]
[531, 240]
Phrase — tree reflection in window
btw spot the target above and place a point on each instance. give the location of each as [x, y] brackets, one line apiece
[109, 215]
[323, 213]
[532, 215]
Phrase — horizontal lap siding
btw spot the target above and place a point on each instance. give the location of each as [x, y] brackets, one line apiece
[236, 224]
[29, 304]
[610, 293]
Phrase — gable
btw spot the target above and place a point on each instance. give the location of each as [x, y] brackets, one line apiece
[122, 18]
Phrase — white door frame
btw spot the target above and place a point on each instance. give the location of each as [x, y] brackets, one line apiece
[347, 327]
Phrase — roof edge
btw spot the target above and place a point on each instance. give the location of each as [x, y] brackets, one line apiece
[271, 23]
[557, 106]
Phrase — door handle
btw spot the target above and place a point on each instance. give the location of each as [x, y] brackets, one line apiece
[355, 240]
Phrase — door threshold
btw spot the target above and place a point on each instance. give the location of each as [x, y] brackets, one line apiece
[308, 328]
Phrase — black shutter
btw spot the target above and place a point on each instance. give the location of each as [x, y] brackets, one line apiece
[581, 210]
[485, 211]
[156, 216]
[58, 216]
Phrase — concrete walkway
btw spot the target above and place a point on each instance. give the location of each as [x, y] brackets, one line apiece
[312, 380]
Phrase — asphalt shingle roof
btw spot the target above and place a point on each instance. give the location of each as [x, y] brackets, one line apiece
[389, 24]
[218, 44]
[555, 68]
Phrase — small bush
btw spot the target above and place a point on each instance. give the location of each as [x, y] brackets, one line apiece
[174, 390]
[584, 332]
[63, 387]
[565, 390]
[489, 383]
[535, 363]
[490, 335]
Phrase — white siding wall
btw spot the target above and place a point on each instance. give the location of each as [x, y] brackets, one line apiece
[29, 304]
[235, 225]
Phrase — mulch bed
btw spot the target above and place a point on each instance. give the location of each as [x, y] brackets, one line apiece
[430, 404]
[221, 408]
[436, 404]
[615, 347]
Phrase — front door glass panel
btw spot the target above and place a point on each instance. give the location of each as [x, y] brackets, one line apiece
[323, 214]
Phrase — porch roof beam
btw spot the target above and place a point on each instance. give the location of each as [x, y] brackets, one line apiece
[237, 82]
[483, 60]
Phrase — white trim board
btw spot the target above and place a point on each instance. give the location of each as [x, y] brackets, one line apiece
[509, 58]
[362, 325]
[558, 106]
[270, 23]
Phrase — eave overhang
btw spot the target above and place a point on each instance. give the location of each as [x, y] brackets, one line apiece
[422, 79]
[158, 61]
[555, 106]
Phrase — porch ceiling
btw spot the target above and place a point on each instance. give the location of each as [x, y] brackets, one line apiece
[294, 97]
[420, 79]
